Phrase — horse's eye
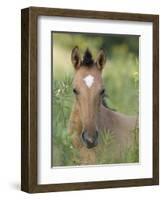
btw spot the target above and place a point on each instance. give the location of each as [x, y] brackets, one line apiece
[102, 92]
[75, 91]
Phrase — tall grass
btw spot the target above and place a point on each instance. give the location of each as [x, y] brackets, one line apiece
[64, 154]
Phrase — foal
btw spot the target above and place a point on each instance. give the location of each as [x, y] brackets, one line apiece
[90, 117]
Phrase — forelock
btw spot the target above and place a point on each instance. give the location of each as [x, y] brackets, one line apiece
[87, 59]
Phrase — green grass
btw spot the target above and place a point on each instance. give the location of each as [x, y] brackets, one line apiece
[64, 154]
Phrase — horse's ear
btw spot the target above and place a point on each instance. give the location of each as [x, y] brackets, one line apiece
[75, 57]
[101, 59]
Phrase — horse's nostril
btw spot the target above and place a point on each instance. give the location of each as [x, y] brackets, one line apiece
[96, 135]
[83, 136]
[90, 140]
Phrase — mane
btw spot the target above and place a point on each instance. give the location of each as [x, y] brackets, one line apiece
[104, 103]
[87, 59]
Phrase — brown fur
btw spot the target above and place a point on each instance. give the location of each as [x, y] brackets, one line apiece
[89, 113]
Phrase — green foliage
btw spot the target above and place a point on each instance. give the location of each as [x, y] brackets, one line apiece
[121, 80]
[96, 41]
[63, 151]
[132, 153]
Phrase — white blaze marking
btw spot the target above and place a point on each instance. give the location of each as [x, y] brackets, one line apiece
[89, 80]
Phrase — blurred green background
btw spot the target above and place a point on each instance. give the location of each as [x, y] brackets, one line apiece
[121, 78]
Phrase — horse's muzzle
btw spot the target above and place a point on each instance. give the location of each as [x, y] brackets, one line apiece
[90, 140]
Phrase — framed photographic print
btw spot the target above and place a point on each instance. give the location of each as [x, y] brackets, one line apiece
[90, 99]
